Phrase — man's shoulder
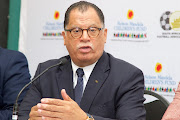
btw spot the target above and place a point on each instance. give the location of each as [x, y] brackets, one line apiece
[51, 62]
[11, 57]
[117, 62]
[10, 53]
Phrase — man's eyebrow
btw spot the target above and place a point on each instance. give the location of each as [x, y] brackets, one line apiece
[77, 26]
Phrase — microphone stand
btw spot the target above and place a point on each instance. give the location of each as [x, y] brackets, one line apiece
[16, 106]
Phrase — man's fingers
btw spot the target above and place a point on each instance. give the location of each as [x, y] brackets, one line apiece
[35, 118]
[59, 102]
[48, 107]
[50, 114]
[53, 101]
[34, 112]
[65, 95]
[34, 108]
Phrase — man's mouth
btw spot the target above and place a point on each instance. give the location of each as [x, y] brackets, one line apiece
[85, 49]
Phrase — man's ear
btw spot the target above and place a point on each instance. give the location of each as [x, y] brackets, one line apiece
[64, 36]
[105, 35]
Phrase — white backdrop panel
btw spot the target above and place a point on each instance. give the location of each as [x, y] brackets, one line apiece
[41, 40]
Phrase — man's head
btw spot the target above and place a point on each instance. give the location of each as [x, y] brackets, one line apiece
[82, 6]
[84, 34]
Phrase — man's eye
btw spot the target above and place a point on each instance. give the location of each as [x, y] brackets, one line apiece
[92, 30]
[76, 31]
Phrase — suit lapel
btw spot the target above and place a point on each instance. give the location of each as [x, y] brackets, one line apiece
[65, 79]
[96, 80]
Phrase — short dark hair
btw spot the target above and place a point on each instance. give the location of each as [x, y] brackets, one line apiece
[83, 6]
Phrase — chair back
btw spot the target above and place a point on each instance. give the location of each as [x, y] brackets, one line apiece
[155, 109]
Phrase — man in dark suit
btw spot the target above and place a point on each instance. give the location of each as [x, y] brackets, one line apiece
[92, 84]
[14, 74]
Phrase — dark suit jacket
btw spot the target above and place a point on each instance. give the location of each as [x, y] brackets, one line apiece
[14, 74]
[118, 94]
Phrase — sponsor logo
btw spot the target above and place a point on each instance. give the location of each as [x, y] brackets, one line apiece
[52, 34]
[160, 82]
[56, 15]
[130, 30]
[51, 30]
[129, 35]
[175, 21]
[158, 67]
[170, 20]
[160, 89]
[170, 24]
[130, 14]
[164, 20]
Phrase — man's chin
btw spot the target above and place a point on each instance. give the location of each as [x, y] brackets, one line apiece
[85, 59]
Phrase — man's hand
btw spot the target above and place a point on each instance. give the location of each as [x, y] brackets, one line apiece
[34, 115]
[56, 109]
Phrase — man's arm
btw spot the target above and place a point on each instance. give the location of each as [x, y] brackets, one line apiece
[128, 100]
[33, 96]
[66, 109]
[129, 105]
[130, 109]
[15, 77]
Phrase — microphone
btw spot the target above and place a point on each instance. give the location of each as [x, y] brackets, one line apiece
[63, 60]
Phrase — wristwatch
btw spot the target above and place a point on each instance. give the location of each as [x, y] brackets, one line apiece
[90, 117]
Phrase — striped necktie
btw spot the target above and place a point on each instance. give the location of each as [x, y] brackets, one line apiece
[79, 86]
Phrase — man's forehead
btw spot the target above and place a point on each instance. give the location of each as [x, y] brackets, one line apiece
[89, 9]
[88, 18]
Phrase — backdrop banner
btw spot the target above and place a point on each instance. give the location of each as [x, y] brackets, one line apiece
[144, 33]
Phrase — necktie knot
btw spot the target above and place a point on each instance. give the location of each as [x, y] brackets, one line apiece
[80, 72]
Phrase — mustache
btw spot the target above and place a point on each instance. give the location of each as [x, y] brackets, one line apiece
[85, 44]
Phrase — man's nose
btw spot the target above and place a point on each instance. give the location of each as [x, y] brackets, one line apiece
[85, 35]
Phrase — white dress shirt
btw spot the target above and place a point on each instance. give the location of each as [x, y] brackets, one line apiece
[87, 72]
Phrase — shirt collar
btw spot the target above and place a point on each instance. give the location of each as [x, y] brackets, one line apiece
[87, 70]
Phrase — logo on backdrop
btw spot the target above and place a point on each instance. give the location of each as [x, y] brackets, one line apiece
[170, 24]
[158, 67]
[52, 28]
[159, 81]
[130, 30]
[164, 21]
[175, 21]
[130, 14]
[56, 15]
